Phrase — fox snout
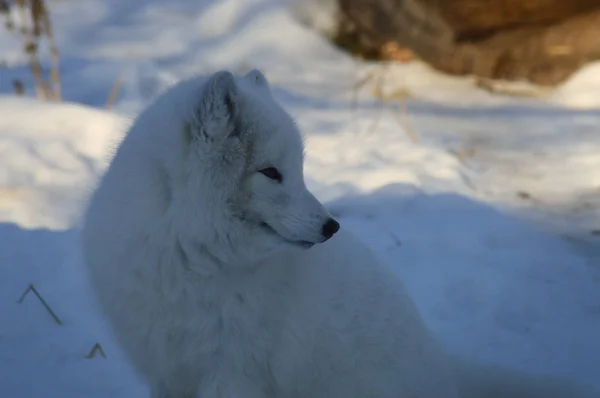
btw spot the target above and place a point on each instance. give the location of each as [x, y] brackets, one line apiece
[329, 229]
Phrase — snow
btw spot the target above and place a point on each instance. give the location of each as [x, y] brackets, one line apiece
[581, 91]
[485, 204]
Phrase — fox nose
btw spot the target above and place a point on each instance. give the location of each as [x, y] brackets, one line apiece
[330, 228]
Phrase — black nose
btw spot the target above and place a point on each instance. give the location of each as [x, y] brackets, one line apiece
[330, 228]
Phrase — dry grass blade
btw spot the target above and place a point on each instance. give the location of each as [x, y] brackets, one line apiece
[34, 23]
[30, 47]
[378, 93]
[54, 53]
[32, 288]
[114, 92]
[466, 151]
[404, 120]
[96, 349]
[387, 100]
[356, 87]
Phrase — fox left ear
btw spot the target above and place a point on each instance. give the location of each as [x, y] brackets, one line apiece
[218, 108]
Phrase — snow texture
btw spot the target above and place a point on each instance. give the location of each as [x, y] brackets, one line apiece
[487, 205]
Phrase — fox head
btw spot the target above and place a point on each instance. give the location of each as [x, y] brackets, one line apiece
[235, 169]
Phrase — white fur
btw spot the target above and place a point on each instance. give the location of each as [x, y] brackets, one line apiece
[207, 301]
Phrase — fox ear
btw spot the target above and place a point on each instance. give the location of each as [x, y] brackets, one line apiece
[218, 109]
[257, 78]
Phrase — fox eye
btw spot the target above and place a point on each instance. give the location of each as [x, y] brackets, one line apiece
[272, 173]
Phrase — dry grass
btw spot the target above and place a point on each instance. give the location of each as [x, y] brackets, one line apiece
[32, 27]
[388, 101]
[395, 102]
[114, 92]
[96, 349]
[32, 289]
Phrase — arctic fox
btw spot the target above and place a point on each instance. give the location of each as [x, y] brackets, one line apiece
[224, 277]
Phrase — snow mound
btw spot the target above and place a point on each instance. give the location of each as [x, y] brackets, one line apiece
[50, 155]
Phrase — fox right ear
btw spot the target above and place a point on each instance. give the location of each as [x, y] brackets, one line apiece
[257, 78]
[218, 108]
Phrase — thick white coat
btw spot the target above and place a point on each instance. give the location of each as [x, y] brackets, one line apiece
[208, 302]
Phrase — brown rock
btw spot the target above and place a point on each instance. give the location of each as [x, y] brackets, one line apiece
[542, 41]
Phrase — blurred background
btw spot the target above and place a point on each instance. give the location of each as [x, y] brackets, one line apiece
[459, 138]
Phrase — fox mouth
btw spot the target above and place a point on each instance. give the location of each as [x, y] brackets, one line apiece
[299, 243]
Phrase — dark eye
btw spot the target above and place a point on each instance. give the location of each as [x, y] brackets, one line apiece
[272, 173]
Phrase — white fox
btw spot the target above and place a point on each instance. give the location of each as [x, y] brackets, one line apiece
[224, 277]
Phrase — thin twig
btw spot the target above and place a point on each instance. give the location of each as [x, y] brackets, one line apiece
[31, 288]
[97, 348]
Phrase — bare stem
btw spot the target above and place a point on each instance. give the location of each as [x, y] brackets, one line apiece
[31, 288]
[97, 348]
[114, 92]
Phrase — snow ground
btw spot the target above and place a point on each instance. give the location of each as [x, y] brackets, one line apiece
[485, 204]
